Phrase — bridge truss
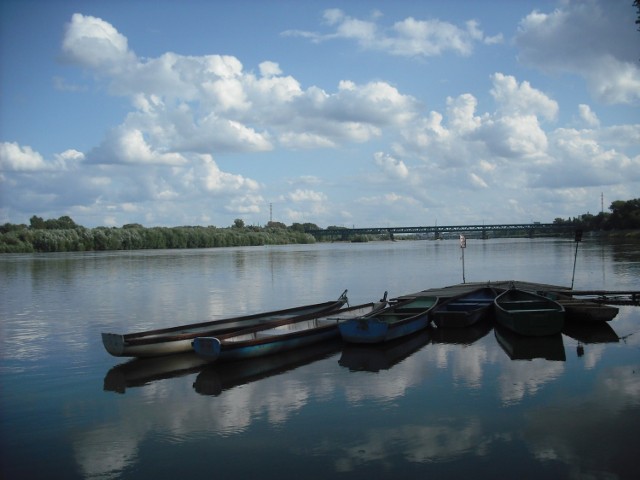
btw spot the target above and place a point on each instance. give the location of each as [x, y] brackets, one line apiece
[438, 231]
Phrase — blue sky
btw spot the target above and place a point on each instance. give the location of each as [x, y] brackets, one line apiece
[352, 113]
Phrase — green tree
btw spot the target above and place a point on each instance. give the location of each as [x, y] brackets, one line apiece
[37, 223]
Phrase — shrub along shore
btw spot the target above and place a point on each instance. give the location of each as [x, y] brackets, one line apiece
[25, 239]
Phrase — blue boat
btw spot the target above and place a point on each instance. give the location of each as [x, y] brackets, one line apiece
[395, 321]
[287, 335]
[465, 309]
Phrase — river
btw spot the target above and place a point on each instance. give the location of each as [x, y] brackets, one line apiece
[436, 406]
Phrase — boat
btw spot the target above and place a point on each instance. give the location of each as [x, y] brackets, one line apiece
[528, 313]
[397, 320]
[465, 309]
[286, 335]
[165, 341]
[585, 311]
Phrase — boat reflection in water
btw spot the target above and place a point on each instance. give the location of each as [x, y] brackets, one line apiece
[217, 377]
[589, 333]
[382, 356]
[524, 347]
[463, 336]
[143, 371]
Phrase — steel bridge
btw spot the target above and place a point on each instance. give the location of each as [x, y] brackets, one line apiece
[438, 231]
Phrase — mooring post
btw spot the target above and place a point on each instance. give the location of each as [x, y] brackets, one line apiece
[578, 239]
[463, 245]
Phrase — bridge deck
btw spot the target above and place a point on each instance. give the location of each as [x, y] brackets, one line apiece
[437, 229]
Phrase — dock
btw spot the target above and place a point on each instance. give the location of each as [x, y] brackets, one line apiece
[611, 297]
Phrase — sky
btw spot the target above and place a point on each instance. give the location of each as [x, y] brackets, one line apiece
[337, 113]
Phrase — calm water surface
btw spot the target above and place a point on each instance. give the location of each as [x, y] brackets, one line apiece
[439, 405]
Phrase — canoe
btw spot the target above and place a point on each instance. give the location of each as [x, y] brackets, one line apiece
[396, 321]
[286, 335]
[465, 309]
[528, 313]
[165, 341]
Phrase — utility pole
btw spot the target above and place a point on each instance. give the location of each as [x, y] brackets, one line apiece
[270, 212]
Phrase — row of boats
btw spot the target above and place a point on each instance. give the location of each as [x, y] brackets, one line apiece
[521, 311]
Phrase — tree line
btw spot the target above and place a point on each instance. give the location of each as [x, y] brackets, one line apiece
[64, 235]
[623, 215]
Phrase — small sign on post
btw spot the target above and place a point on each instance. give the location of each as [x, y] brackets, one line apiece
[463, 245]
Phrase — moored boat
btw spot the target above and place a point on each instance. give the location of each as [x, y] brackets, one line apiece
[398, 320]
[165, 341]
[286, 335]
[528, 313]
[465, 309]
[585, 311]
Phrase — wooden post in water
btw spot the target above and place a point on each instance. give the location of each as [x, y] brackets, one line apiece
[578, 239]
[463, 245]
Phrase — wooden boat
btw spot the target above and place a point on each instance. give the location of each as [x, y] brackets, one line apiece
[398, 320]
[465, 309]
[286, 335]
[528, 313]
[585, 311]
[165, 341]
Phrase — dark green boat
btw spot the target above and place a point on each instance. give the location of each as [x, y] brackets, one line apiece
[528, 313]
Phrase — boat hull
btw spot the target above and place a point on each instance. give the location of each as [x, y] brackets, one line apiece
[464, 310]
[391, 323]
[589, 312]
[527, 313]
[258, 342]
[211, 348]
[118, 346]
[172, 340]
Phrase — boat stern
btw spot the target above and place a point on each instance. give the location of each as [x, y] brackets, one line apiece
[208, 347]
